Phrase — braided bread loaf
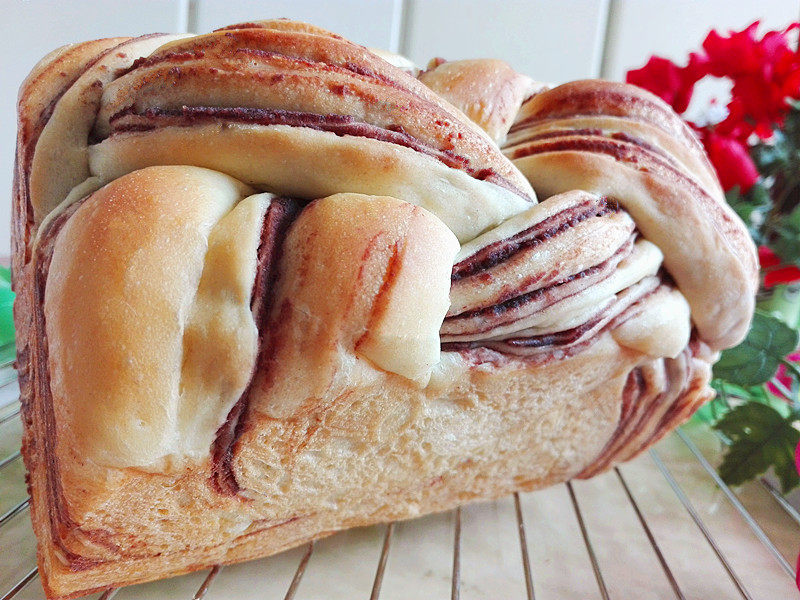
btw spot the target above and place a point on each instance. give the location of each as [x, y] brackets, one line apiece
[271, 286]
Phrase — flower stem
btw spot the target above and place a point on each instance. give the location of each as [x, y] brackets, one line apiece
[792, 367]
[785, 393]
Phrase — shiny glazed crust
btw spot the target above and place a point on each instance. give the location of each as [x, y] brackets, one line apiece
[280, 288]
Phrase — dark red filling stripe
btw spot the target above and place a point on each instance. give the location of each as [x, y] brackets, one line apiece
[28, 149]
[638, 418]
[128, 120]
[499, 309]
[502, 250]
[567, 338]
[38, 411]
[281, 213]
[592, 103]
[618, 136]
[625, 153]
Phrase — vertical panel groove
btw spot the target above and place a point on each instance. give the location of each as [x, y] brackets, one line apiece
[182, 17]
[396, 32]
[191, 16]
[601, 39]
[609, 35]
[406, 18]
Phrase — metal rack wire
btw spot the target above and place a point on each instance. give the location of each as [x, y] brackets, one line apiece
[475, 548]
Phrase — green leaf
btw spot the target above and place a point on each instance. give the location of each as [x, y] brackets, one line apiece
[760, 438]
[730, 396]
[756, 359]
[732, 391]
[783, 302]
[773, 156]
[711, 411]
[752, 208]
[787, 242]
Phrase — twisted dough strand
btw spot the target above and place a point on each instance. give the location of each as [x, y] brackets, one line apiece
[619, 141]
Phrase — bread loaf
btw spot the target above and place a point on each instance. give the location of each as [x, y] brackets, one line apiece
[270, 286]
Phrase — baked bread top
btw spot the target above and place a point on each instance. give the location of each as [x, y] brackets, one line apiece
[151, 279]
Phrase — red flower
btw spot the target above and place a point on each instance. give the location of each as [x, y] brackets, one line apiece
[791, 85]
[732, 162]
[662, 77]
[797, 458]
[764, 72]
[797, 571]
[767, 258]
[782, 375]
[784, 275]
[737, 54]
[668, 81]
[772, 276]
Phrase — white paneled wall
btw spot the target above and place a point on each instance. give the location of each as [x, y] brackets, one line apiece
[551, 40]
[374, 23]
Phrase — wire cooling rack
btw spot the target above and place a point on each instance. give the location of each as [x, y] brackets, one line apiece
[661, 526]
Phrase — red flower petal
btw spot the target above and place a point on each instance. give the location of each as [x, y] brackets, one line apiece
[783, 376]
[764, 72]
[732, 162]
[764, 131]
[733, 55]
[797, 458]
[797, 573]
[660, 76]
[767, 258]
[671, 83]
[784, 275]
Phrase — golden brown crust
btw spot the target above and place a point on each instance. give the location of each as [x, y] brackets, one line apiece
[488, 91]
[60, 161]
[107, 270]
[360, 419]
[210, 374]
[230, 68]
[40, 91]
[355, 444]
